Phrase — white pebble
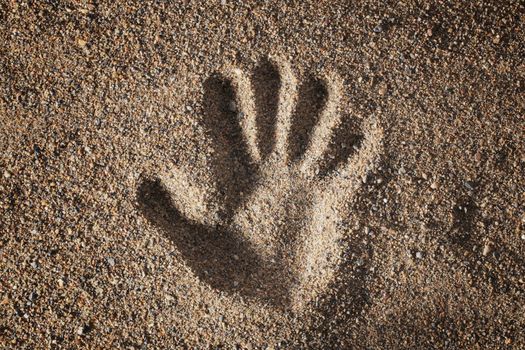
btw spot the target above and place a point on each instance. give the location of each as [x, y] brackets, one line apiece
[486, 249]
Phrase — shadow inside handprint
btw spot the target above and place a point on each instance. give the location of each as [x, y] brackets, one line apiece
[217, 255]
[231, 167]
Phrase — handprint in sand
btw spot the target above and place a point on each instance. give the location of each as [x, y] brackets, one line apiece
[267, 224]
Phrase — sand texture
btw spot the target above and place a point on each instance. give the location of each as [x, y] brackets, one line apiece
[262, 175]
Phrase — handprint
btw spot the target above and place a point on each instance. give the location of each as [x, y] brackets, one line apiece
[266, 225]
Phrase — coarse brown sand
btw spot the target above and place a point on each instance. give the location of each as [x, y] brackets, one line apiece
[262, 175]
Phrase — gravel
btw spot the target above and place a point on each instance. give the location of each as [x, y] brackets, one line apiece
[97, 96]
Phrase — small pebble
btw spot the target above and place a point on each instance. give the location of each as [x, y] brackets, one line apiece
[110, 261]
[419, 255]
[382, 90]
[487, 249]
[477, 157]
[434, 185]
[37, 151]
[468, 185]
[81, 42]
[378, 29]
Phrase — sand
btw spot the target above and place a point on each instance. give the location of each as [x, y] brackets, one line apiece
[262, 175]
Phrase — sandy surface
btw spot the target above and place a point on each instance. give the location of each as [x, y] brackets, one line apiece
[262, 175]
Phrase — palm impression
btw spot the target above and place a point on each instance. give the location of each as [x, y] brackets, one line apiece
[265, 224]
